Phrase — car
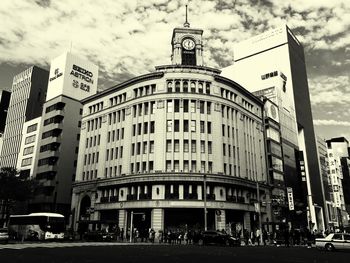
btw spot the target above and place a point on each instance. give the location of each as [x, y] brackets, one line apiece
[334, 241]
[99, 236]
[217, 238]
[4, 235]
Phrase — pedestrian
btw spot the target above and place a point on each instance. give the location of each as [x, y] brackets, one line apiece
[257, 236]
[264, 236]
[286, 237]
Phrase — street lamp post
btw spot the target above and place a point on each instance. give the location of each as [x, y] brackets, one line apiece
[205, 202]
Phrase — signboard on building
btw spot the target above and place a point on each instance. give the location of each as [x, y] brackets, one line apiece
[73, 77]
[290, 198]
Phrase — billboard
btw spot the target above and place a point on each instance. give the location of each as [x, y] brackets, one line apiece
[73, 77]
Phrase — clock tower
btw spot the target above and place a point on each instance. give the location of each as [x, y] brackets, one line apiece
[187, 47]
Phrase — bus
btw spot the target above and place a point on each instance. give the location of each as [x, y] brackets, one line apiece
[36, 226]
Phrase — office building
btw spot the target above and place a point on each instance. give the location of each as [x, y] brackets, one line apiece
[338, 165]
[28, 150]
[71, 80]
[159, 149]
[27, 97]
[4, 104]
[276, 59]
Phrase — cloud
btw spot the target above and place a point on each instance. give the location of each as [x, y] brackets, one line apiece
[129, 37]
[330, 89]
[332, 123]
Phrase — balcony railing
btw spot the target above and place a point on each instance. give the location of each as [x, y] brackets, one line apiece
[113, 199]
[143, 196]
[104, 199]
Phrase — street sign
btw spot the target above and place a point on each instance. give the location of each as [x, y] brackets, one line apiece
[290, 198]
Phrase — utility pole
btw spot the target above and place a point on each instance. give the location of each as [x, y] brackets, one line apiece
[131, 225]
[259, 210]
[205, 202]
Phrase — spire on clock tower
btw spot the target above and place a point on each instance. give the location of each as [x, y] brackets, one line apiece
[187, 46]
[186, 24]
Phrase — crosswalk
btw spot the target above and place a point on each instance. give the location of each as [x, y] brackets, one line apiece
[64, 244]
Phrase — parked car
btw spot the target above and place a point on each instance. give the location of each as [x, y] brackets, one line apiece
[99, 236]
[334, 241]
[4, 235]
[217, 238]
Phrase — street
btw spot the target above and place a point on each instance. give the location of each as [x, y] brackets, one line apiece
[114, 252]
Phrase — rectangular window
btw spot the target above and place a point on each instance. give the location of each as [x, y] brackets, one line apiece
[210, 148]
[176, 165]
[176, 105]
[201, 107]
[193, 126]
[176, 145]
[138, 149]
[176, 125]
[27, 161]
[28, 150]
[144, 148]
[132, 149]
[186, 166]
[168, 146]
[223, 130]
[185, 102]
[185, 125]
[169, 106]
[153, 106]
[168, 166]
[193, 146]
[202, 146]
[202, 167]
[32, 128]
[193, 106]
[193, 166]
[152, 127]
[30, 139]
[202, 126]
[169, 125]
[208, 108]
[146, 108]
[210, 167]
[209, 127]
[224, 149]
[133, 130]
[186, 146]
[151, 147]
[139, 128]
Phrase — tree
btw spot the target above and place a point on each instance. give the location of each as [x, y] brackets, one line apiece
[14, 187]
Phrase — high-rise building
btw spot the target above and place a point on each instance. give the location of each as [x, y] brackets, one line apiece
[330, 213]
[158, 150]
[4, 104]
[27, 97]
[338, 165]
[71, 80]
[277, 56]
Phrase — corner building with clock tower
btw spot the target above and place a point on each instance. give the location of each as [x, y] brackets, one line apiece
[158, 150]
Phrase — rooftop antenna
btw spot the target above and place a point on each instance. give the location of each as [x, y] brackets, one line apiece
[186, 24]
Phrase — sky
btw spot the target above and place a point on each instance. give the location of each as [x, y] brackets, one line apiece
[126, 38]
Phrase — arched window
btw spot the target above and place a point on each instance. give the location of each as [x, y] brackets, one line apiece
[185, 86]
[193, 87]
[170, 86]
[177, 86]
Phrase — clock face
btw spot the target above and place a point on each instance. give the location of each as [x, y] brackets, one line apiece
[273, 111]
[188, 44]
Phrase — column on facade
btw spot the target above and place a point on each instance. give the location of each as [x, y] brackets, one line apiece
[157, 220]
[122, 221]
[246, 221]
[220, 219]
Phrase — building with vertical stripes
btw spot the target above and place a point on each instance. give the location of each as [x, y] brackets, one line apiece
[27, 97]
